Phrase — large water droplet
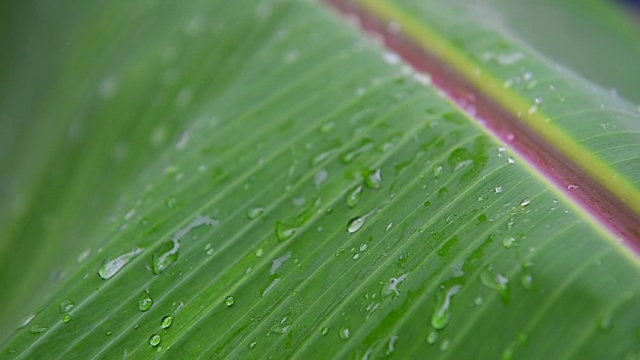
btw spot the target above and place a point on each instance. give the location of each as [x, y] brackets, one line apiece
[166, 255]
[145, 302]
[353, 196]
[355, 224]
[154, 340]
[285, 232]
[373, 178]
[442, 313]
[110, 266]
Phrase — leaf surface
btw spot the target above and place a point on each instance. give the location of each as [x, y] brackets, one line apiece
[234, 180]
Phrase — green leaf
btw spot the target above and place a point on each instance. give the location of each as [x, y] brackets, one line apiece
[225, 179]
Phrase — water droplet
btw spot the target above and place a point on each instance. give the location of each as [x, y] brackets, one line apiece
[445, 345]
[527, 281]
[66, 318]
[365, 145]
[66, 306]
[355, 256]
[511, 160]
[166, 255]
[284, 232]
[255, 212]
[438, 170]
[345, 333]
[442, 313]
[497, 282]
[525, 202]
[373, 178]
[427, 203]
[166, 321]
[605, 323]
[363, 247]
[209, 249]
[509, 242]
[432, 338]
[278, 262]
[229, 301]
[259, 252]
[110, 266]
[154, 340]
[498, 189]
[460, 158]
[252, 345]
[325, 331]
[26, 321]
[355, 224]
[320, 177]
[171, 202]
[145, 302]
[37, 329]
[353, 196]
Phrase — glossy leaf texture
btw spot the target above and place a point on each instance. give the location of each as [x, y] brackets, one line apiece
[225, 179]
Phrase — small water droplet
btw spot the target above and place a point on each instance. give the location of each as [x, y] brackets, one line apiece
[509, 242]
[66, 318]
[511, 160]
[427, 203]
[605, 323]
[154, 340]
[325, 331]
[166, 255]
[166, 321]
[432, 338]
[497, 282]
[255, 212]
[353, 196]
[259, 252]
[438, 170]
[445, 345]
[171, 202]
[527, 281]
[110, 266]
[345, 333]
[373, 178]
[355, 256]
[363, 247]
[285, 232]
[37, 329]
[66, 306]
[442, 314]
[209, 249]
[525, 202]
[498, 189]
[252, 345]
[229, 301]
[145, 302]
[355, 224]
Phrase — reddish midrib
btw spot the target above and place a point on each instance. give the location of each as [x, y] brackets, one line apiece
[603, 205]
